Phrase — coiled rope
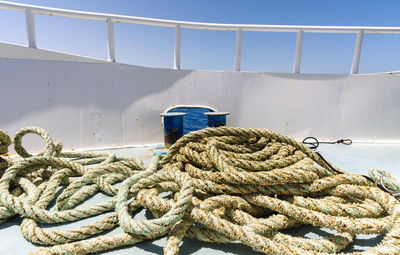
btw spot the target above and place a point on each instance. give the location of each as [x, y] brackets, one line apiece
[225, 184]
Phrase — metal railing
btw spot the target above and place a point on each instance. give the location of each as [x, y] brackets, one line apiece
[110, 19]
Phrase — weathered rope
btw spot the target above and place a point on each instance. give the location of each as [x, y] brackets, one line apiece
[5, 141]
[386, 181]
[224, 184]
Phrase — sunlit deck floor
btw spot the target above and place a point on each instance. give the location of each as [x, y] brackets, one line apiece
[355, 158]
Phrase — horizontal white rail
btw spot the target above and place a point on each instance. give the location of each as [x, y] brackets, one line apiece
[194, 25]
[30, 10]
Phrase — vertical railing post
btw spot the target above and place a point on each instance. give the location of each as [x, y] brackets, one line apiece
[238, 53]
[30, 28]
[177, 50]
[297, 56]
[110, 40]
[357, 53]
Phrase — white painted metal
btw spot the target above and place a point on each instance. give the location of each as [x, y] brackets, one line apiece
[98, 104]
[30, 28]
[22, 52]
[238, 52]
[193, 25]
[357, 53]
[110, 40]
[177, 49]
[299, 47]
[30, 10]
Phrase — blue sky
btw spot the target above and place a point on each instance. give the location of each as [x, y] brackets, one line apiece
[262, 52]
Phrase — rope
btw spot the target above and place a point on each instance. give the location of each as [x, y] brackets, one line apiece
[224, 185]
[386, 181]
[5, 141]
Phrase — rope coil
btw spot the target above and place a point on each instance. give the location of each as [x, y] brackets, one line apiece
[224, 184]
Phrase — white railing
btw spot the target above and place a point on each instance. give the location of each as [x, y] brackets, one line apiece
[110, 19]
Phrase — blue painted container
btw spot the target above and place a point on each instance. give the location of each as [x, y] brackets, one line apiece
[173, 127]
[216, 119]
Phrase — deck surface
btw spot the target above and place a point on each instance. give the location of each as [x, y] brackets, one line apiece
[355, 158]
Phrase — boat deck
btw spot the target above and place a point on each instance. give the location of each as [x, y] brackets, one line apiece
[355, 158]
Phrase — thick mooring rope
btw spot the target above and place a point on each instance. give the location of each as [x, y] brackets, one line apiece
[224, 184]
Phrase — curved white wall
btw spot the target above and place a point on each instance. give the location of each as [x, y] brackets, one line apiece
[102, 104]
[21, 52]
